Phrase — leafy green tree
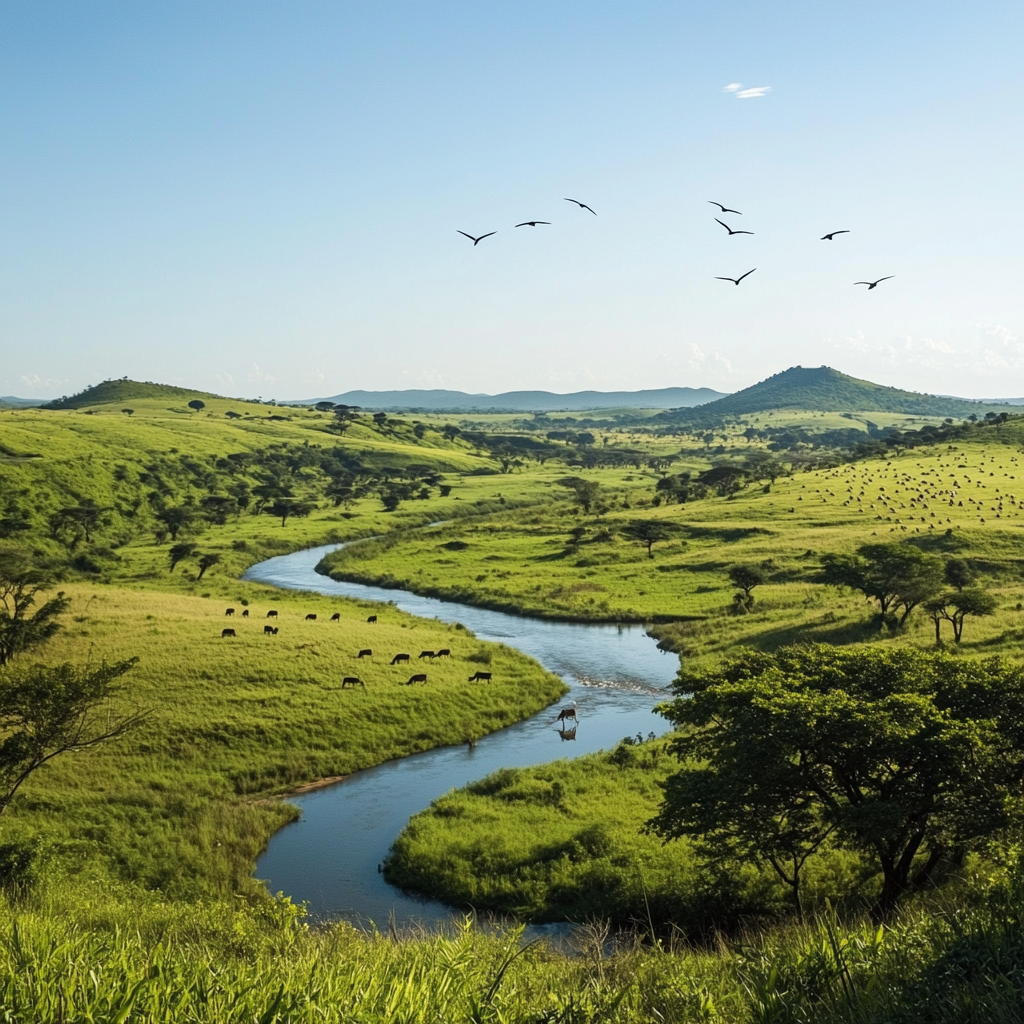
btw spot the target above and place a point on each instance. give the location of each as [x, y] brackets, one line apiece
[128, 412]
[79, 520]
[958, 573]
[48, 711]
[911, 757]
[289, 508]
[206, 562]
[176, 518]
[20, 584]
[576, 535]
[343, 416]
[898, 576]
[956, 606]
[586, 491]
[178, 552]
[324, 406]
[649, 532]
[450, 431]
[746, 577]
[217, 507]
[381, 419]
[197, 404]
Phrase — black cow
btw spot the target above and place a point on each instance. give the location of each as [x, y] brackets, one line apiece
[427, 654]
[311, 617]
[270, 629]
[229, 611]
[352, 681]
[420, 677]
[271, 614]
[365, 653]
[245, 613]
[480, 677]
[372, 618]
[443, 653]
[398, 658]
[227, 632]
[567, 713]
[336, 617]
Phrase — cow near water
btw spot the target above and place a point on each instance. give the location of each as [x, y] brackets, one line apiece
[567, 713]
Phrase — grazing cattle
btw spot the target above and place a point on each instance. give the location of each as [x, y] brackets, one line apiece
[336, 617]
[270, 630]
[311, 617]
[399, 658]
[272, 614]
[275, 631]
[420, 677]
[567, 713]
[427, 654]
[366, 653]
[480, 677]
[229, 611]
[372, 618]
[352, 681]
[245, 613]
[443, 653]
[227, 632]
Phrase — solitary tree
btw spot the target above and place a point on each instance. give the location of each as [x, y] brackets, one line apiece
[197, 404]
[956, 606]
[288, 508]
[206, 562]
[178, 552]
[649, 531]
[20, 583]
[746, 577]
[48, 711]
[128, 412]
[911, 757]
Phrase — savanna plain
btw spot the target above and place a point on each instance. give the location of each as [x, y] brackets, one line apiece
[831, 831]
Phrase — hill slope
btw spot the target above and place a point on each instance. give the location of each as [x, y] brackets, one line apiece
[523, 401]
[823, 389]
[124, 390]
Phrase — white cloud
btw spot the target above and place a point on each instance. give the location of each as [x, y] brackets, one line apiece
[33, 382]
[733, 87]
[749, 94]
[225, 379]
[258, 374]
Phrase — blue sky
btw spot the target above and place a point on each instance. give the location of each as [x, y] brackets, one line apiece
[262, 198]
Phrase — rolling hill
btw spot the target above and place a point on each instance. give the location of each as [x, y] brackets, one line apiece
[823, 389]
[124, 390]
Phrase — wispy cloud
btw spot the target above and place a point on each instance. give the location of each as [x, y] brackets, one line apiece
[258, 374]
[736, 88]
[33, 382]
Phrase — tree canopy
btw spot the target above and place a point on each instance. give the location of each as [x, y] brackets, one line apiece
[910, 757]
[20, 583]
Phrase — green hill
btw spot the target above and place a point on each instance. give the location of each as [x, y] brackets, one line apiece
[124, 390]
[823, 389]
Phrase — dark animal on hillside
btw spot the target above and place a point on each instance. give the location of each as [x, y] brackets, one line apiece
[271, 614]
[480, 677]
[227, 632]
[352, 681]
[269, 630]
[566, 713]
[372, 618]
[427, 654]
[229, 611]
[245, 613]
[420, 677]
[443, 653]
[336, 617]
[275, 631]
[365, 653]
[567, 734]
[399, 658]
[311, 617]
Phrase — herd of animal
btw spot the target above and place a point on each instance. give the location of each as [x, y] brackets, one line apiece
[366, 652]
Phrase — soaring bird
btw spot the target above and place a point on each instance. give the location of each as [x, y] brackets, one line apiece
[480, 239]
[875, 284]
[730, 230]
[832, 234]
[724, 209]
[736, 280]
[578, 203]
[532, 223]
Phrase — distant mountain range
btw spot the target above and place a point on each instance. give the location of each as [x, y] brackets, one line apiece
[10, 402]
[521, 401]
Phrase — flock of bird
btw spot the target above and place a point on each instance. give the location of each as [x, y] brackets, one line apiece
[732, 231]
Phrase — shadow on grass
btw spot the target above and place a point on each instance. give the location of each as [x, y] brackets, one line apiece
[836, 633]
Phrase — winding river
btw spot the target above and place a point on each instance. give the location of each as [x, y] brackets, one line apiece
[329, 858]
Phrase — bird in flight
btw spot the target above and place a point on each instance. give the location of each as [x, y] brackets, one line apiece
[832, 234]
[480, 239]
[724, 209]
[730, 230]
[578, 203]
[875, 284]
[736, 280]
[532, 223]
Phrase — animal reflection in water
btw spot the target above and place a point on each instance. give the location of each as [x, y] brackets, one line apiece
[563, 718]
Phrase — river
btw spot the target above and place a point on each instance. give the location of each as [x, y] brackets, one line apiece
[329, 858]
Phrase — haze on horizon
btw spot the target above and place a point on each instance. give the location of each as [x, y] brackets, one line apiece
[264, 199]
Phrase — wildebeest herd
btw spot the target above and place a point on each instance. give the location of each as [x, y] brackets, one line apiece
[366, 652]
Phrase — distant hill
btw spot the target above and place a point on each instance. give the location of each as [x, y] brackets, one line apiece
[124, 390]
[823, 389]
[10, 402]
[521, 401]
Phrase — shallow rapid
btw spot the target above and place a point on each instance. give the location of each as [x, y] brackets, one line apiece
[329, 858]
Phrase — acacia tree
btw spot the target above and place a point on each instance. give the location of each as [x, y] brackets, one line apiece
[956, 606]
[179, 552]
[586, 491]
[649, 532]
[206, 562]
[911, 757]
[746, 577]
[288, 508]
[197, 404]
[20, 583]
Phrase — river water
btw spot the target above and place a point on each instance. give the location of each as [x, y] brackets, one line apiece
[329, 858]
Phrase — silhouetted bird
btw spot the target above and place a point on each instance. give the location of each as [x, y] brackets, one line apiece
[875, 284]
[736, 280]
[730, 230]
[534, 223]
[724, 209]
[578, 203]
[832, 234]
[480, 239]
